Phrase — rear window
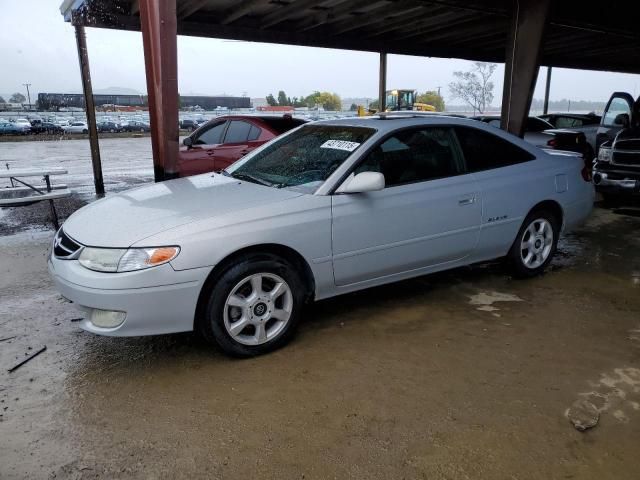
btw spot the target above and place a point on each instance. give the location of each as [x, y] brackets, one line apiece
[282, 124]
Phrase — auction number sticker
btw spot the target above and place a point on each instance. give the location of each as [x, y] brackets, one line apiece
[340, 145]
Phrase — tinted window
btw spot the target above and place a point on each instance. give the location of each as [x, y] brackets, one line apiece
[483, 150]
[536, 125]
[237, 132]
[282, 124]
[414, 156]
[212, 135]
[254, 133]
[618, 106]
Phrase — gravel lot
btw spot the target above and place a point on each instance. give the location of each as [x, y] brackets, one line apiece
[467, 374]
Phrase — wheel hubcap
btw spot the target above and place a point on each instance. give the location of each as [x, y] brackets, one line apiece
[258, 309]
[536, 244]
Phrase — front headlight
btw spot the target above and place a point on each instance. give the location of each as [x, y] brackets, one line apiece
[121, 260]
[604, 155]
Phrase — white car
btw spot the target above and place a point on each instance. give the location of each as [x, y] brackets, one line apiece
[327, 208]
[76, 127]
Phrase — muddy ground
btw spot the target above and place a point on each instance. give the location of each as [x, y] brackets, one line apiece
[461, 375]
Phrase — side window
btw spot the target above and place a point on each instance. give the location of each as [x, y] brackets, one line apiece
[483, 150]
[212, 135]
[618, 106]
[414, 156]
[237, 132]
[254, 133]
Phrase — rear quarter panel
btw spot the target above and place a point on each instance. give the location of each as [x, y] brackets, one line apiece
[510, 193]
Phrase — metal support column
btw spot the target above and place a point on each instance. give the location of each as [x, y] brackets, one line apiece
[530, 18]
[545, 109]
[159, 39]
[382, 83]
[87, 89]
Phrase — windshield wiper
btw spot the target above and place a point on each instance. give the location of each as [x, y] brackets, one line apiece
[249, 178]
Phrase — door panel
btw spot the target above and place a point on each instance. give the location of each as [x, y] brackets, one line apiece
[200, 158]
[428, 213]
[404, 228]
[235, 144]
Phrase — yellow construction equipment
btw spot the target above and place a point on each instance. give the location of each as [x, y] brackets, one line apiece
[399, 100]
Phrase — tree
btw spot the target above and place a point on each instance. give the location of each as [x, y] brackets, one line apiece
[374, 104]
[353, 107]
[328, 101]
[283, 101]
[474, 87]
[2, 100]
[271, 100]
[432, 98]
[17, 98]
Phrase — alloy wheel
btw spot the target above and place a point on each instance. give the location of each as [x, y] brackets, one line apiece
[258, 309]
[536, 244]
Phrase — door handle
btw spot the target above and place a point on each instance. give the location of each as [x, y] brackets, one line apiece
[467, 201]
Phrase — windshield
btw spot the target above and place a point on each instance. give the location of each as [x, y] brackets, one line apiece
[303, 159]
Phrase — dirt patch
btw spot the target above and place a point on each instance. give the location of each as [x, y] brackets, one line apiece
[404, 381]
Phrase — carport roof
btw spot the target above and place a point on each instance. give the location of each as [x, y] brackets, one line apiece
[585, 35]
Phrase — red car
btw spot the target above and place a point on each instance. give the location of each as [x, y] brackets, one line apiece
[221, 141]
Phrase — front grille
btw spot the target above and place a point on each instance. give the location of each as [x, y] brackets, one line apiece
[633, 144]
[64, 246]
[625, 158]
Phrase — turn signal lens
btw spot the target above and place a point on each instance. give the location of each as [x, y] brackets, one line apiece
[140, 258]
[161, 255]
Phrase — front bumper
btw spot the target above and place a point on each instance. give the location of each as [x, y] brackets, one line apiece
[614, 179]
[156, 301]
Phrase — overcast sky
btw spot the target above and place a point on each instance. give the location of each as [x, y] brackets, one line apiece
[38, 47]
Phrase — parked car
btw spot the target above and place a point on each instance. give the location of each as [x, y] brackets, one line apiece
[188, 124]
[587, 124]
[76, 127]
[46, 127]
[22, 122]
[616, 173]
[109, 126]
[12, 128]
[225, 139]
[136, 126]
[325, 209]
[542, 134]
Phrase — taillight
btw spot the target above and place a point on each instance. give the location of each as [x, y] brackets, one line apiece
[552, 143]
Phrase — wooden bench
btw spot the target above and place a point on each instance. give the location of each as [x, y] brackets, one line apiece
[26, 193]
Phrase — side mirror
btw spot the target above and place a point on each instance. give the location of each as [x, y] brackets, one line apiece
[187, 142]
[362, 182]
[622, 119]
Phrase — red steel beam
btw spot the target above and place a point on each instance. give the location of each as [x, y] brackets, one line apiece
[159, 39]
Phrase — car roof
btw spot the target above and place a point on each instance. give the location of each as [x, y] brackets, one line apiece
[388, 123]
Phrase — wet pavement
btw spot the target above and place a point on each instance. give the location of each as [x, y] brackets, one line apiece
[467, 374]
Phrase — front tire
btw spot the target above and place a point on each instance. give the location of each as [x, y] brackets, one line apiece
[253, 307]
[535, 245]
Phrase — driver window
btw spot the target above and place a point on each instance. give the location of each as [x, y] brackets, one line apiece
[211, 136]
[414, 156]
[618, 106]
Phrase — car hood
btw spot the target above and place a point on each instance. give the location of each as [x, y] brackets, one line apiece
[121, 220]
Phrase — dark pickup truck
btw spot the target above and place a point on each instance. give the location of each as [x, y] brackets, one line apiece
[616, 172]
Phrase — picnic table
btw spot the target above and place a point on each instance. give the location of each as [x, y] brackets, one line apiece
[26, 193]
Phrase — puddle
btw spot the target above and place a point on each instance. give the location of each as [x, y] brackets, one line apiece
[484, 301]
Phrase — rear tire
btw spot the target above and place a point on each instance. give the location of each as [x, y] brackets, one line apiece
[535, 245]
[253, 307]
